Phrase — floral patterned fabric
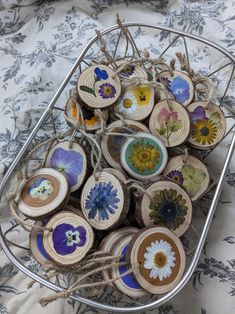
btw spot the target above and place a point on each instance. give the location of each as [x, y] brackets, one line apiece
[38, 45]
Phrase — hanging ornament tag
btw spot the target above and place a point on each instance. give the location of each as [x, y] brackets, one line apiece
[170, 122]
[105, 201]
[159, 258]
[71, 239]
[98, 87]
[169, 206]
[131, 70]
[191, 173]
[71, 162]
[44, 192]
[144, 157]
[208, 124]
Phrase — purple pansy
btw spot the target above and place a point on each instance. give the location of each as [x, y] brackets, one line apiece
[107, 90]
[179, 89]
[176, 175]
[69, 162]
[128, 70]
[199, 113]
[67, 238]
[100, 74]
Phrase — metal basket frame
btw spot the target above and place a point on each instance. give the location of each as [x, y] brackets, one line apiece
[49, 111]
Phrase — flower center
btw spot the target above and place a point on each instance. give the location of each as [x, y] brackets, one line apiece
[175, 178]
[160, 259]
[107, 91]
[144, 156]
[169, 211]
[204, 131]
[127, 103]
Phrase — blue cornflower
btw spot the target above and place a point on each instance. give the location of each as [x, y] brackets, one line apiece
[179, 89]
[100, 74]
[102, 200]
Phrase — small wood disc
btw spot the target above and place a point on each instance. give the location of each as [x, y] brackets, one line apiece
[111, 144]
[136, 102]
[170, 122]
[126, 284]
[144, 157]
[75, 112]
[72, 162]
[131, 70]
[71, 239]
[208, 124]
[161, 259]
[179, 86]
[37, 247]
[170, 207]
[98, 87]
[44, 192]
[117, 173]
[190, 173]
[104, 201]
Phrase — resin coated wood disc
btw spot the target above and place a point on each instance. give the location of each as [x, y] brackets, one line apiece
[72, 162]
[208, 125]
[136, 102]
[44, 192]
[126, 284]
[179, 86]
[132, 70]
[71, 239]
[75, 112]
[105, 201]
[144, 157]
[170, 206]
[117, 173]
[170, 122]
[161, 259]
[190, 173]
[98, 87]
[111, 145]
[37, 247]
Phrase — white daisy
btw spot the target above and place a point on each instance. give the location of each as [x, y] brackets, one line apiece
[127, 104]
[160, 259]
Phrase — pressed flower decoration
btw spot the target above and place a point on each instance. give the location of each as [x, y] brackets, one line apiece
[176, 176]
[178, 87]
[90, 118]
[102, 201]
[142, 94]
[66, 238]
[168, 209]
[41, 189]
[127, 71]
[128, 103]
[160, 259]
[193, 179]
[107, 90]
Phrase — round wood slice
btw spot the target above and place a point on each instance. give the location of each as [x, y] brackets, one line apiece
[127, 284]
[105, 201]
[170, 122]
[71, 239]
[72, 162]
[144, 157]
[131, 70]
[91, 119]
[44, 192]
[117, 173]
[159, 258]
[37, 247]
[136, 102]
[179, 86]
[170, 207]
[111, 144]
[208, 125]
[190, 173]
[98, 87]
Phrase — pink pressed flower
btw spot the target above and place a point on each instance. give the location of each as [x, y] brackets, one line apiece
[163, 116]
[173, 116]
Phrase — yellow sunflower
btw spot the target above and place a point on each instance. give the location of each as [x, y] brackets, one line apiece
[204, 131]
[142, 94]
[144, 157]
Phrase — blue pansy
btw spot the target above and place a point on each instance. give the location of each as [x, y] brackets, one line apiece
[69, 162]
[102, 201]
[180, 89]
[67, 238]
[100, 74]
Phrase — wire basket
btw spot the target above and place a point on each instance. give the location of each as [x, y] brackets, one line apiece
[160, 41]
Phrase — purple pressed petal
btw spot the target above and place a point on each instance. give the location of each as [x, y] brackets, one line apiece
[81, 230]
[199, 113]
[60, 240]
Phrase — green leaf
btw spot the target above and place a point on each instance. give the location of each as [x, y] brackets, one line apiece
[176, 125]
[215, 117]
[161, 131]
[87, 89]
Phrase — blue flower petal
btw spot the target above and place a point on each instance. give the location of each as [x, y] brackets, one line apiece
[101, 74]
[82, 235]
[180, 89]
[60, 240]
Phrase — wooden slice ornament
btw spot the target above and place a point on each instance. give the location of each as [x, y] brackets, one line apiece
[117, 173]
[80, 114]
[144, 157]
[208, 124]
[71, 239]
[136, 102]
[179, 86]
[190, 173]
[72, 162]
[104, 201]
[170, 122]
[111, 144]
[131, 70]
[43, 193]
[169, 206]
[98, 87]
[159, 258]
